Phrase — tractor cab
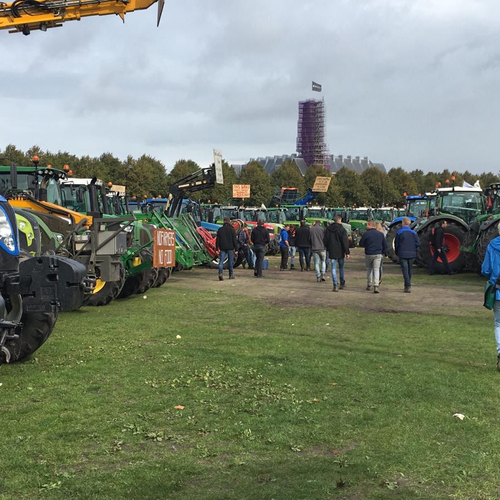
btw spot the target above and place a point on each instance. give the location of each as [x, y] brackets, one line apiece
[464, 203]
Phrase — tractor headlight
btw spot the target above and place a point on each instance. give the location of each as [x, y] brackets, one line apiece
[7, 239]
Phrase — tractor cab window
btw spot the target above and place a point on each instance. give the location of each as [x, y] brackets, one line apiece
[466, 205]
[293, 213]
[54, 192]
[416, 208]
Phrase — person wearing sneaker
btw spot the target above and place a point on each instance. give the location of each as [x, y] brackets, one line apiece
[318, 250]
[260, 240]
[375, 247]
[491, 269]
[406, 245]
[337, 246]
[292, 249]
[226, 243]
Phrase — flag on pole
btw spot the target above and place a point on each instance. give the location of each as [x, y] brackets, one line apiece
[316, 87]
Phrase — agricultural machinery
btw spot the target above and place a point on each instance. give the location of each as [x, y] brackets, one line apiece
[416, 207]
[483, 230]
[459, 206]
[96, 242]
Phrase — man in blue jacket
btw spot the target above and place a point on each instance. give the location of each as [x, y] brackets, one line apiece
[375, 248]
[284, 248]
[491, 269]
[406, 245]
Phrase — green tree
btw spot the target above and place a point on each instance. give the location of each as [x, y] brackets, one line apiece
[181, 169]
[221, 193]
[260, 185]
[380, 186]
[13, 155]
[288, 175]
[332, 197]
[403, 182]
[351, 189]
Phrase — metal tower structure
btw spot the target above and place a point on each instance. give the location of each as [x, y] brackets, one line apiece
[311, 144]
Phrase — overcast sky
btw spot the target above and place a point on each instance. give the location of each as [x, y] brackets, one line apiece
[411, 83]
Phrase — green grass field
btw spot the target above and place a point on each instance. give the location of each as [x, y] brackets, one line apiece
[254, 401]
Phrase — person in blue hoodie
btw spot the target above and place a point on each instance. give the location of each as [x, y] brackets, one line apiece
[284, 248]
[491, 269]
[406, 245]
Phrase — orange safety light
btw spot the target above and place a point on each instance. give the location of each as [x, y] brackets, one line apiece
[110, 184]
[66, 168]
[49, 166]
[35, 159]
[70, 173]
[447, 181]
[453, 178]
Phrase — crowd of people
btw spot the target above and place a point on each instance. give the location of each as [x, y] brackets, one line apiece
[326, 247]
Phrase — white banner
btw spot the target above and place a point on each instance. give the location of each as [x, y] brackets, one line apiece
[219, 177]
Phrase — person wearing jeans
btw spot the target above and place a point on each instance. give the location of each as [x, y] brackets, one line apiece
[375, 247]
[491, 269]
[284, 247]
[303, 244]
[260, 239]
[318, 249]
[226, 243]
[406, 245]
[337, 245]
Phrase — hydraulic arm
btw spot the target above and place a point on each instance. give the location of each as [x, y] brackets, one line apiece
[24, 16]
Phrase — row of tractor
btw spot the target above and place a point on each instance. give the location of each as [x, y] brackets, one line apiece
[66, 243]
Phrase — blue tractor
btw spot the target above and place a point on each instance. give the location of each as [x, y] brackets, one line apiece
[415, 208]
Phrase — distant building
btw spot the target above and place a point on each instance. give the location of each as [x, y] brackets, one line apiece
[333, 163]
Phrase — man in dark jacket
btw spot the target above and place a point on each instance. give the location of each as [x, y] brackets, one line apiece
[337, 246]
[303, 244]
[375, 248]
[439, 250]
[260, 240]
[406, 245]
[226, 242]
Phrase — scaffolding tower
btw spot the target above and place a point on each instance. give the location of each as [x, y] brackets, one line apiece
[311, 144]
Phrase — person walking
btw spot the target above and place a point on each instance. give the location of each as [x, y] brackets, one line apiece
[226, 243]
[379, 227]
[284, 247]
[318, 250]
[375, 247]
[439, 248]
[245, 246]
[337, 246]
[260, 240]
[303, 244]
[406, 245]
[491, 269]
[292, 248]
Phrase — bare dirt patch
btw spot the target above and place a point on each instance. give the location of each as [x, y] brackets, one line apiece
[457, 295]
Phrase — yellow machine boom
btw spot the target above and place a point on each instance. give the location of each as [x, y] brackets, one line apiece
[24, 16]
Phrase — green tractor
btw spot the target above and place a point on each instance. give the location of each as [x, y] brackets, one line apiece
[96, 242]
[459, 206]
[483, 230]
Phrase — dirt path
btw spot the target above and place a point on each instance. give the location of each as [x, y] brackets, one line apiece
[458, 295]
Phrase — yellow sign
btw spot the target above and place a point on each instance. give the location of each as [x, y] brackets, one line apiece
[321, 184]
[241, 190]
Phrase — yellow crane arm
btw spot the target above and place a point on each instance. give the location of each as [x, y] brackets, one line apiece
[23, 16]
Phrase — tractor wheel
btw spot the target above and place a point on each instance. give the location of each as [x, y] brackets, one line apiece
[391, 242]
[148, 278]
[163, 275]
[471, 259]
[238, 259]
[130, 287]
[36, 329]
[105, 291]
[484, 241]
[454, 237]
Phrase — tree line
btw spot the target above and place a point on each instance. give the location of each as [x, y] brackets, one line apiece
[147, 177]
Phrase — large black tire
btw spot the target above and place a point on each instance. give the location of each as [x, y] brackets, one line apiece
[214, 263]
[391, 240]
[454, 236]
[471, 260]
[148, 279]
[110, 291]
[484, 241]
[130, 287]
[163, 275]
[36, 329]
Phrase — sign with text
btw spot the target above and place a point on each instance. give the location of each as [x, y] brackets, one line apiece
[321, 184]
[241, 190]
[219, 177]
[164, 248]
